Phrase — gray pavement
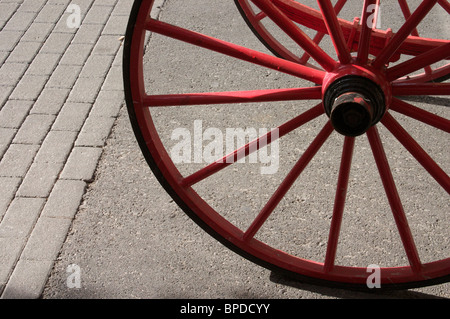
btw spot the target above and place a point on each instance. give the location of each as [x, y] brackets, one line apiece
[82, 216]
[60, 94]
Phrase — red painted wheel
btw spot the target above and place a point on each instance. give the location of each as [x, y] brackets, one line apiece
[357, 95]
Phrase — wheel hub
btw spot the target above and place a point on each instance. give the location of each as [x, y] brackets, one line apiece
[354, 104]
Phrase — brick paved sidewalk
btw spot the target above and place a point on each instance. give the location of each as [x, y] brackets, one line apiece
[60, 93]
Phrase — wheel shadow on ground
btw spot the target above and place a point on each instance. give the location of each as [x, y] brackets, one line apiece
[284, 280]
[433, 100]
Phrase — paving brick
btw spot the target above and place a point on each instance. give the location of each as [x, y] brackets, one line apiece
[37, 32]
[5, 92]
[85, 4]
[50, 101]
[6, 137]
[95, 131]
[72, 117]
[44, 244]
[108, 103]
[119, 57]
[17, 160]
[65, 199]
[29, 87]
[24, 52]
[28, 279]
[57, 43]
[10, 250]
[44, 64]
[56, 147]
[123, 8]
[59, 2]
[85, 90]
[82, 164]
[20, 21]
[116, 25]
[110, 3]
[39, 180]
[7, 10]
[107, 45]
[8, 188]
[21, 217]
[3, 56]
[114, 80]
[32, 6]
[96, 66]
[98, 15]
[14, 113]
[50, 13]
[9, 39]
[88, 33]
[76, 54]
[10, 73]
[34, 129]
[64, 76]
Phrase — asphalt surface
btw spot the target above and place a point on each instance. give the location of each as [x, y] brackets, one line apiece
[130, 240]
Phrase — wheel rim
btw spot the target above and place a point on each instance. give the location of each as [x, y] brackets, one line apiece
[243, 240]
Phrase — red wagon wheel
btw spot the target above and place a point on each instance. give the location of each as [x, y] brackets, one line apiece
[357, 94]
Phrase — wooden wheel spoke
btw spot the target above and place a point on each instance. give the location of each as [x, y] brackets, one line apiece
[335, 31]
[394, 199]
[420, 115]
[236, 51]
[366, 33]
[422, 61]
[411, 88]
[417, 151]
[296, 34]
[400, 37]
[275, 95]
[339, 202]
[289, 181]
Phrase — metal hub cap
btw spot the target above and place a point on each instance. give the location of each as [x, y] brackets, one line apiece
[354, 104]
